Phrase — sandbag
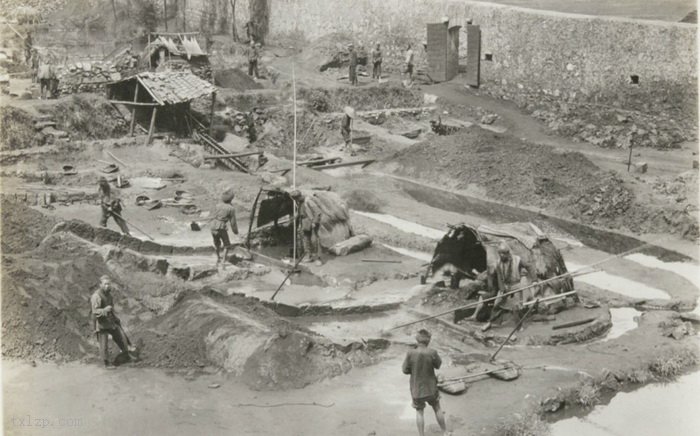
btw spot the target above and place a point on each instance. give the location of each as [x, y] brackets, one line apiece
[356, 243]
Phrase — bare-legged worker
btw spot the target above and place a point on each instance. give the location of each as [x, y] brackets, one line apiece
[223, 214]
[106, 323]
[421, 364]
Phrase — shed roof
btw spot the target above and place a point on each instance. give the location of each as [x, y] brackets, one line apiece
[171, 87]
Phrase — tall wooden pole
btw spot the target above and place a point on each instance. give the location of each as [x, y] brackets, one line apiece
[165, 14]
[211, 113]
[294, 161]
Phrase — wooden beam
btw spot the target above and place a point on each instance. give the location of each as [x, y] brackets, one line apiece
[153, 125]
[211, 113]
[133, 110]
[225, 156]
[133, 103]
[315, 162]
[364, 163]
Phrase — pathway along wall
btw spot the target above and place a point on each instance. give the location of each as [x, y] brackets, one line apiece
[568, 56]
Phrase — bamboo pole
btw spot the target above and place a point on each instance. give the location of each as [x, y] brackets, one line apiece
[211, 113]
[294, 165]
[578, 272]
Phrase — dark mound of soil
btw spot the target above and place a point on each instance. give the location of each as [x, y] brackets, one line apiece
[384, 96]
[247, 339]
[23, 228]
[234, 78]
[17, 129]
[87, 116]
[508, 168]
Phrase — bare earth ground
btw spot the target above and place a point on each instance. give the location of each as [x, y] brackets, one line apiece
[365, 392]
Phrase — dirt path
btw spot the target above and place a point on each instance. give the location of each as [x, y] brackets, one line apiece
[660, 162]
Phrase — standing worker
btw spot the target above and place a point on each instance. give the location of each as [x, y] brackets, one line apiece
[253, 55]
[346, 128]
[377, 62]
[421, 364]
[310, 225]
[352, 73]
[409, 63]
[106, 323]
[111, 206]
[224, 213]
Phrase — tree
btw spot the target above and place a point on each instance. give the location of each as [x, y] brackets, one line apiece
[234, 30]
[259, 11]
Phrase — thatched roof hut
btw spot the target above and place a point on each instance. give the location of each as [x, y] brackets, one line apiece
[468, 251]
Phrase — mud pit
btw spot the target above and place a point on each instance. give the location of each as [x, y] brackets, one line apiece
[317, 352]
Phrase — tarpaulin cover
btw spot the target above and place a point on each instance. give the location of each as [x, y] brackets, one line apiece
[335, 217]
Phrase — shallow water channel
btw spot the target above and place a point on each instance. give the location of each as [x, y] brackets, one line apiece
[670, 409]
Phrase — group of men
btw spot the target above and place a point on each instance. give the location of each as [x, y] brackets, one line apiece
[377, 59]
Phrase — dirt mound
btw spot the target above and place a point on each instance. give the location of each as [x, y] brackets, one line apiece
[234, 78]
[45, 301]
[507, 168]
[384, 96]
[17, 129]
[87, 116]
[504, 168]
[647, 116]
[23, 228]
[312, 131]
[247, 339]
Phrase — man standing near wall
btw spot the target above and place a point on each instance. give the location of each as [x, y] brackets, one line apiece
[352, 73]
[253, 55]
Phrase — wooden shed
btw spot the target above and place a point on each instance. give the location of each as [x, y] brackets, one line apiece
[443, 51]
[161, 100]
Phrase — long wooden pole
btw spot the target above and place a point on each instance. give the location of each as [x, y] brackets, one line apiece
[578, 272]
[294, 165]
[211, 113]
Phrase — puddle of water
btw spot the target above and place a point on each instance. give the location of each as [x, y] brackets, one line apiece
[420, 255]
[620, 285]
[669, 409]
[403, 225]
[689, 271]
[622, 321]
[569, 241]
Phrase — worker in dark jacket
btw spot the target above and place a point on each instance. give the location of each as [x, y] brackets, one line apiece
[352, 73]
[224, 213]
[346, 128]
[421, 364]
[253, 57]
[111, 206]
[106, 323]
[377, 62]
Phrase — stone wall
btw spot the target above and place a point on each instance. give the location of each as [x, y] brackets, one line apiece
[553, 52]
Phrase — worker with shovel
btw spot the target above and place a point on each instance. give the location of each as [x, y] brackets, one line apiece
[106, 324]
[421, 364]
[223, 214]
[111, 206]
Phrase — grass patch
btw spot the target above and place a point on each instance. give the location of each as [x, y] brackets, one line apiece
[528, 423]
